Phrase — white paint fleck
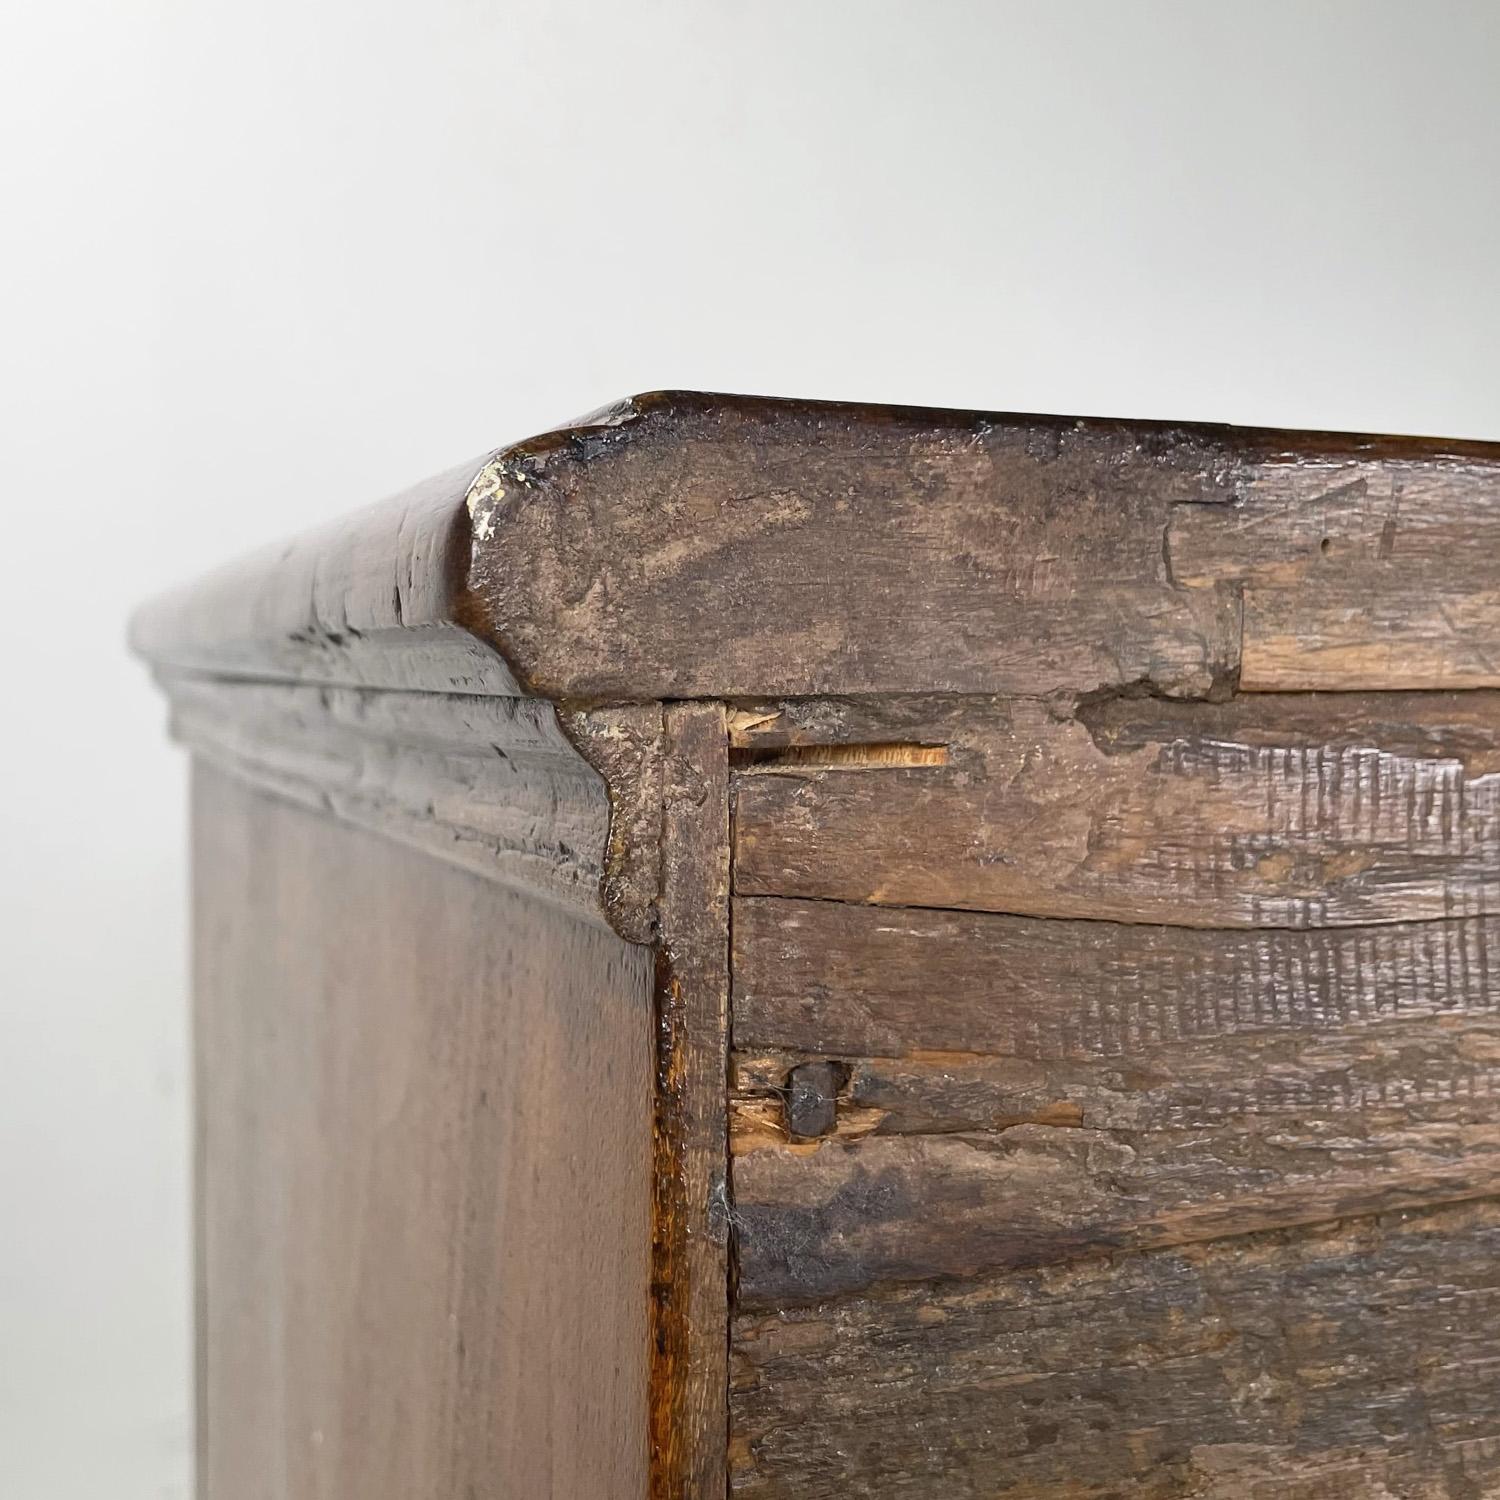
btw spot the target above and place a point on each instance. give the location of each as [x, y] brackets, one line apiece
[484, 499]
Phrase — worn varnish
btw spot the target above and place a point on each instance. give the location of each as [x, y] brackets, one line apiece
[807, 950]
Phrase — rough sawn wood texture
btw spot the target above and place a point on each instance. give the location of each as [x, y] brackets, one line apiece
[804, 950]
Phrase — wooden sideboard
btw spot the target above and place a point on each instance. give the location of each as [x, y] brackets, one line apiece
[805, 951]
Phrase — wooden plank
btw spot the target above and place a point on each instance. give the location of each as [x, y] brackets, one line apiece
[682, 545]
[824, 978]
[1013, 1091]
[1403, 634]
[425, 1172]
[842, 1215]
[1186, 1095]
[1360, 1361]
[1355, 576]
[1238, 814]
[1324, 524]
[691, 1230]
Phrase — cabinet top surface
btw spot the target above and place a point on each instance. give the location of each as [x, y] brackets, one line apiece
[681, 545]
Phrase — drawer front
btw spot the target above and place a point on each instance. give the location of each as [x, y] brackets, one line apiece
[1115, 1097]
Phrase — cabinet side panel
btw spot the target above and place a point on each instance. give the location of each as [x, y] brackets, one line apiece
[424, 1109]
[1115, 1098]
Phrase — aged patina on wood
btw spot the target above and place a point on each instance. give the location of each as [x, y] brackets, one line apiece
[1055, 867]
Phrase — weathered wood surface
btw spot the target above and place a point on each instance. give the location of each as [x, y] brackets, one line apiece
[1016, 668]
[1407, 635]
[1013, 1091]
[845, 1215]
[492, 784]
[1375, 577]
[690, 1231]
[712, 547]
[1359, 1361]
[424, 1173]
[371, 600]
[681, 545]
[982, 1158]
[1248, 813]
[822, 977]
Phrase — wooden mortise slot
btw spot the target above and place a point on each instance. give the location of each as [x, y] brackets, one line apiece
[885, 756]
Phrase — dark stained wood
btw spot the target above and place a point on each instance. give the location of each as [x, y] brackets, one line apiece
[371, 600]
[1018, 1091]
[691, 1222]
[680, 545]
[505, 787]
[847, 1214]
[812, 1090]
[1242, 819]
[1357, 1363]
[1090, 1089]
[425, 1173]
[821, 977]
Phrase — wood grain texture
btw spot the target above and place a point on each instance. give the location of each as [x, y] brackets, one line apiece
[1355, 1362]
[1247, 814]
[1013, 1091]
[712, 546]
[821, 977]
[1398, 635]
[691, 1222]
[845, 1215]
[1356, 576]
[1115, 816]
[371, 600]
[425, 1173]
[681, 545]
[505, 787]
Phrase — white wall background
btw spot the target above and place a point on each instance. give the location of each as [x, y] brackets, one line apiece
[260, 263]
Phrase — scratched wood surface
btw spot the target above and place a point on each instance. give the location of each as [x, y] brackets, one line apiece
[1353, 1363]
[681, 545]
[1069, 853]
[1382, 578]
[1114, 1009]
[1253, 813]
[1013, 1092]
